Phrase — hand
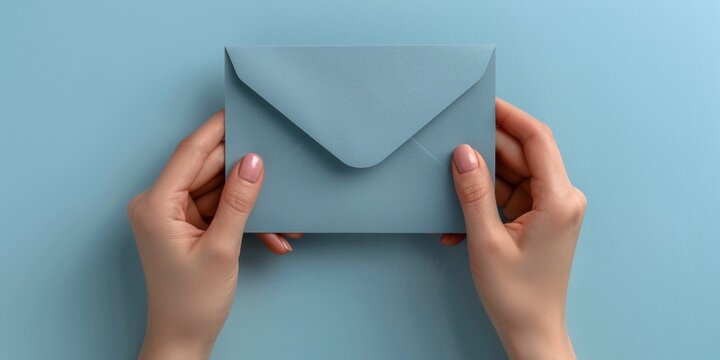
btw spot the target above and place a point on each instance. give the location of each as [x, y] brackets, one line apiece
[188, 227]
[521, 268]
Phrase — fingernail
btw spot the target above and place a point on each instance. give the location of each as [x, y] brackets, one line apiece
[250, 167]
[444, 240]
[286, 245]
[464, 158]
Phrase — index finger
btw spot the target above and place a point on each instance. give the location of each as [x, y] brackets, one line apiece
[541, 152]
[190, 154]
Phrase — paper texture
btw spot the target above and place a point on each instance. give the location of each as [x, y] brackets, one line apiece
[358, 139]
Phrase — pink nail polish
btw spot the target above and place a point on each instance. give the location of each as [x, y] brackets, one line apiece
[464, 158]
[250, 167]
[286, 245]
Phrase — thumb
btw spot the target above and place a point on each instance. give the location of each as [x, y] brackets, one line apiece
[474, 187]
[238, 198]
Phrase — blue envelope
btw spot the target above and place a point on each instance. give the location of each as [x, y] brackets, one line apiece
[358, 139]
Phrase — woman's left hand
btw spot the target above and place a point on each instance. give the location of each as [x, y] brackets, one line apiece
[188, 228]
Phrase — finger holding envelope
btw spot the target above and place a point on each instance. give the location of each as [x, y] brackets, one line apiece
[525, 151]
[541, 153]
[190, 157]
[196, 169]
[519, 264]
[188, 229]
[211, 169]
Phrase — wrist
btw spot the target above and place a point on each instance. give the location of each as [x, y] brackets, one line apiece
[548, 342]
[164, 345]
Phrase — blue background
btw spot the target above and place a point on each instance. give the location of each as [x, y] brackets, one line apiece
[94, 95]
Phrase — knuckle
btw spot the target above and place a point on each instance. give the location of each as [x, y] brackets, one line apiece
[142, 206]
[474, 192]
[187, 144]
[570, 209]
[581, 200]
[240, 199]
[131, 205]
[134, 206]
[221, 253]
[541, 132]
[545, 130]
[151, 201]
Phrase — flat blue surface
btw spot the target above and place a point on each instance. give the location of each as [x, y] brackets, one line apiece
[94, 96]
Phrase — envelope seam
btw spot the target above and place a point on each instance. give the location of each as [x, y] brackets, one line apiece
[426, 150]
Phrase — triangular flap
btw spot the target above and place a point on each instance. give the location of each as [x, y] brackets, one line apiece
[360, 102]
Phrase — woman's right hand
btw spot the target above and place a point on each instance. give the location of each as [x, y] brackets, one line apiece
[521, 268]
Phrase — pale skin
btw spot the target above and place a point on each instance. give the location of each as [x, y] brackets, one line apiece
[189, 225]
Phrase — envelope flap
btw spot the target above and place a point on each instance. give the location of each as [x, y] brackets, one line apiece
[360, 102]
